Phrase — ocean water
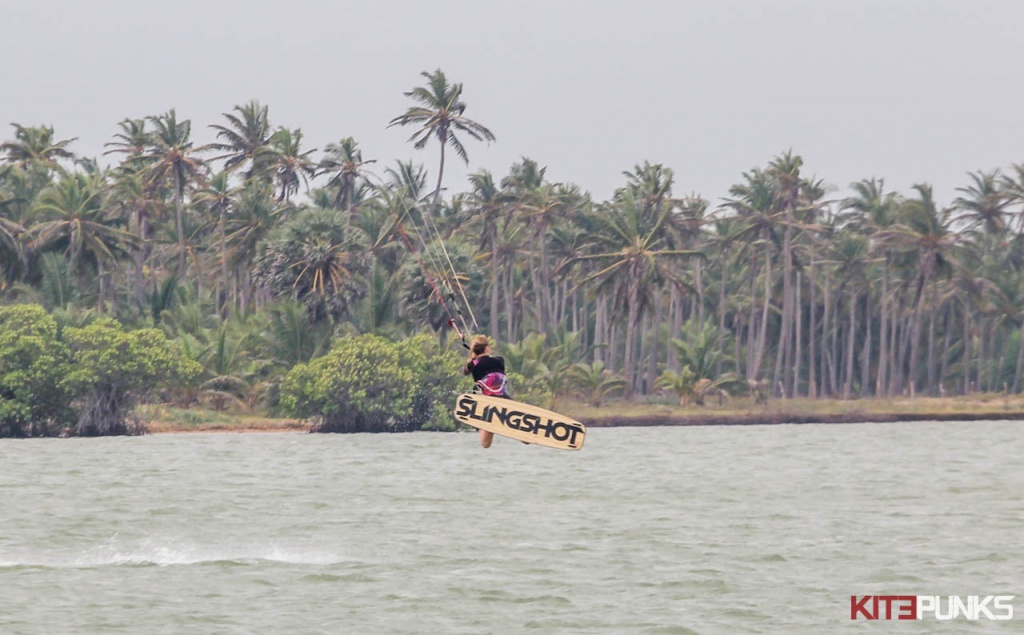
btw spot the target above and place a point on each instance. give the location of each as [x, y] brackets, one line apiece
[713, 530]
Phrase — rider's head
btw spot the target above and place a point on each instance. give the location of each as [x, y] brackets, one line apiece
[480, 346]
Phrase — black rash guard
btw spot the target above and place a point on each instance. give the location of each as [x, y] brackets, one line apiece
[483, 366]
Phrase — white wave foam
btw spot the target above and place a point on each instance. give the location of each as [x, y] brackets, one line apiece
[157, 552]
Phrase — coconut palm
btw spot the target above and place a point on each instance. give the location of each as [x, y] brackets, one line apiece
[246, 134]
[172, 160]
[344, 162]
[632, 251]
[440, 116]
[36, 147]
[284, 159]
[12, 255]
[218, 197]
[73, 217]
[925, 233]
[984, 204]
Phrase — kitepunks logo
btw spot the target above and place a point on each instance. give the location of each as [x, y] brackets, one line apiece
[518, 420]
[919, 607]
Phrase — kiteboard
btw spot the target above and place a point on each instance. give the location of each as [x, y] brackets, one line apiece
[520, 421]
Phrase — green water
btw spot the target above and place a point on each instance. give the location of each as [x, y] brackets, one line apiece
[646, 530]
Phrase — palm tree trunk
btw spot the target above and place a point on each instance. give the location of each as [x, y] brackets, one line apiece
[785, 345]
[510, 306]
[824, 337]
[442, 137]
[698, 281]
[848, 384]
[633, 319]
[798, 337]
[947, 345]
[224, 262]
[653, 349]
[881, 386]
[932, 387]
[721, 329]
[1020, 359]
[495, 326]
[179, 213]
[763, 337]
[865, 356]
[967, 350]
[812, 383]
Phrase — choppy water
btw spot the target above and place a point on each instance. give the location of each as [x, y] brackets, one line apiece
[646, 530]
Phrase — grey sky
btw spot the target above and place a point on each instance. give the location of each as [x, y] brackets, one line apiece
[908, 90]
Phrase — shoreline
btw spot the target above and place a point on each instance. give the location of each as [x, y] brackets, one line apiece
[228, 424]
[783, 418]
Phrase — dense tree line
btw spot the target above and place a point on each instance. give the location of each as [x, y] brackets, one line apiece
[254, 253]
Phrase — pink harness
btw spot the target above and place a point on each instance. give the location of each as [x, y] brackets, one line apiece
[492, 385]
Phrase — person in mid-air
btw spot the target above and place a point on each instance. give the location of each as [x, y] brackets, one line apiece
[489, 374]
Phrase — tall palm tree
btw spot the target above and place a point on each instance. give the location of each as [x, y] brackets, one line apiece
[344, 162]
[785, 169]
[925, 232]
[255, 213]
[11, 253]
[131, 141]
[73, 216]
[36, 147]
[871, 211]
[753, 201]
[487, 205]
[631, 250]
[984, 204]
[440, 116]
[245, 135]
[172, 160]
[218, 197]
[138, 207]
[287, 162]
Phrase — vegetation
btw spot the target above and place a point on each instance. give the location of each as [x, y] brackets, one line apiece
[250, 274]
[370, 384]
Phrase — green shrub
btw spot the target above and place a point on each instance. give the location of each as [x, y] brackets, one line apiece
[367, 383]
[35, 392]
[114, 368]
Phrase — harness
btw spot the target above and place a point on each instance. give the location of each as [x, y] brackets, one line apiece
[493, 385]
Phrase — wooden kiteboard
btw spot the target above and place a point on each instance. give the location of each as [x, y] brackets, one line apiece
[520, 421]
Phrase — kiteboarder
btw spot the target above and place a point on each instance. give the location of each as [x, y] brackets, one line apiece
[489, 374]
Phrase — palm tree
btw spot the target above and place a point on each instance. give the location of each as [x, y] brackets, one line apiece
[440, 115]
[11, 251]
[172, 160]
[254, 215]
[138, 206]
[632, 251]
[74, 216]
[285, 159]
[985, 204]
[785, 170]
[871, 212]
[132, 141]
[344, 162]
[246, 134]
[595, 382]
[36, 147]
[487, 204]
[758, 233]
[924, 231]
[218, 196]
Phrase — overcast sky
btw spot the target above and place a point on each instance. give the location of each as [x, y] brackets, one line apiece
[907, 90]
